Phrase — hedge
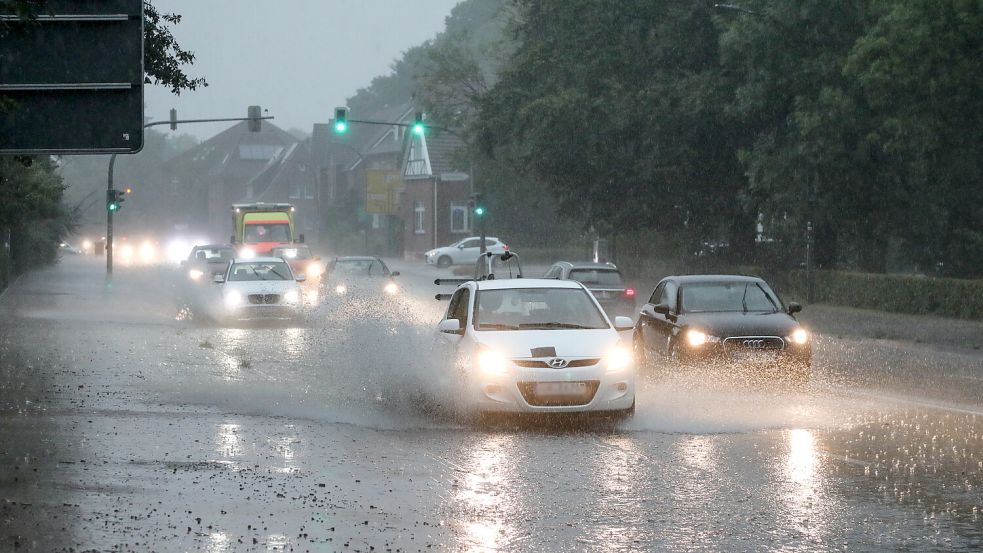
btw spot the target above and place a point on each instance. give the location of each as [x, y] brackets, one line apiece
[916, 295]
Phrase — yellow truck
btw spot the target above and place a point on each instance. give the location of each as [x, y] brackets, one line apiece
[260, 227]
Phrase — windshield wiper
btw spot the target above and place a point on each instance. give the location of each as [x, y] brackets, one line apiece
[553, 325]
[497, 326]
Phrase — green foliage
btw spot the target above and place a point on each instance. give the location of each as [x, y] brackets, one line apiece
[163, 56]
[31, 208]
[916, 295]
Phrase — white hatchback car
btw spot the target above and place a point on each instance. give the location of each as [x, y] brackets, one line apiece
[260, 287]
[537, 345]
[465, 252]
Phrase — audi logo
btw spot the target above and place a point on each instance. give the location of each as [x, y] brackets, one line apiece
[753, 344]
[557, 363]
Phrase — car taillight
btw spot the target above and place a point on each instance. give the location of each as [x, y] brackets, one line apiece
[629, 292]
[506, 247]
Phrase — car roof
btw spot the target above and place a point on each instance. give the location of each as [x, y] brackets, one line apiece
[512, 283]
[212, 246]
[587, 265]
[702, 279]
[258, 260]
[357, 258]
[291, 247]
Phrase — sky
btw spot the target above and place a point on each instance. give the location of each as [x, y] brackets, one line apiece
[296, 58]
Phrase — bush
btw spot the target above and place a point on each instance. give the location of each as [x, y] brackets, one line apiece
[916, 295]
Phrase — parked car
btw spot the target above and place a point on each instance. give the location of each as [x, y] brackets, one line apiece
[604, 280]
[722, 320]
[537, 346]
[465, 252]
[260, 287]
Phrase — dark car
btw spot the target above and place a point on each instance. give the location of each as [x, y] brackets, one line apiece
[734, 320]
[359, 275]
[604, 280]
[208, 260]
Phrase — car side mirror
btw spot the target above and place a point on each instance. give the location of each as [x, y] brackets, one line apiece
[218, 279]
[301, 277]
[661, 309]
[460, 247]
[794, 307]
[450, 326]
[623, 323]
[395, 273]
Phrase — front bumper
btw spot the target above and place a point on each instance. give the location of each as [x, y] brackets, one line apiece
[249, 311]
[547, 390]
[791, 358]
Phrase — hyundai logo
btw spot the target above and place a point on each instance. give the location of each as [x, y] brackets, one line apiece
[754, 344]
[557, 363]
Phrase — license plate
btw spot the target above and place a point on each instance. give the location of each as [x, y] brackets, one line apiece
[752, 356]
[560, 388]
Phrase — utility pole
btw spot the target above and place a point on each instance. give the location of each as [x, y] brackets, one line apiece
[254, 119]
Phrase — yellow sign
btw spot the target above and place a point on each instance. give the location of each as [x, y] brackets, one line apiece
[380, 190]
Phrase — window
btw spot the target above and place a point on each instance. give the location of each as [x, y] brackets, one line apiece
[458, 308]
[460, 218]
[310, 189]
[598, 277]
[294, 190]
[657, 294]
[536, 308]
[419, 217]
[260, 271]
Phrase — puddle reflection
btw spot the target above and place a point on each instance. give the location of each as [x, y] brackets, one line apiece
[485, 493]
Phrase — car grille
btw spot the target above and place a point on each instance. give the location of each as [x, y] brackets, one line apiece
[528, 390]
[537, 364]
[264, 299]
[754, 343]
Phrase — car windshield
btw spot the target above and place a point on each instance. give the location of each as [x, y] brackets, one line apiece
[260, 270]
[277, 232]
[727, 297]
[598, 277]
[536, 308]
[213, 254]
[292, 253]
[361, 267]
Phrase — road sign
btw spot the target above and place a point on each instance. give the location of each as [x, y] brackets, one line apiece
[380, 190]
[71, 80]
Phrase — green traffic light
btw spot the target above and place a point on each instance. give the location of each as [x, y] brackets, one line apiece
[418, 128]
[479, 211]
[340, 126]
[113, 206]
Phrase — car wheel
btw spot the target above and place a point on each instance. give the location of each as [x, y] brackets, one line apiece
[444, 261]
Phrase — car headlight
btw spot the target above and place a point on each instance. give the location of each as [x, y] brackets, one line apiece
[314, 270]
[391, 288]
[195, 274]
[340, 289]
[292, 296]
[619, 358]
[695, 338]
[492, 362]
[247, 253]
[233, 299]
[800, 336]
[290, 253]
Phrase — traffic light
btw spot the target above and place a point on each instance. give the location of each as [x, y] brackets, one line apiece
[341, 120]
[479, 210]
[418, 126]
[255, 123]
[115, 199]
[173, 119]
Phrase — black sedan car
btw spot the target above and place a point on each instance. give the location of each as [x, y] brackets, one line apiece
[722, 319]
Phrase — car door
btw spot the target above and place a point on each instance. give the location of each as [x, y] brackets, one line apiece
[457, 309]
[658, 327]
[469, 251]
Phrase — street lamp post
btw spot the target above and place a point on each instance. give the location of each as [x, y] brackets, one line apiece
[112, 164]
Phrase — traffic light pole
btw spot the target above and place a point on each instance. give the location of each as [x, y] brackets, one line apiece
[112, 164]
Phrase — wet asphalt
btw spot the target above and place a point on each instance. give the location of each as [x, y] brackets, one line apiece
[128, 424]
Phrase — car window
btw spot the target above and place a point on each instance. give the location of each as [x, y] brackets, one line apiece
[727, 297]
[598, 277]
[536, 308]
[656, 296]
[458, 308]
[260, 270]
[489, 242]
[213, 254]
[270, 232]
[361, 267]
[470, 243]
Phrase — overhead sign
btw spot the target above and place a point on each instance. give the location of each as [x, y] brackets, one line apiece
[71, 80]
[380, 190]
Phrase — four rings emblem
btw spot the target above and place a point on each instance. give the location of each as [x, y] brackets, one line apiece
[754, 344]
[558, 363]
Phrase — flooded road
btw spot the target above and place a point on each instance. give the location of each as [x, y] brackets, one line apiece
[126, 426]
